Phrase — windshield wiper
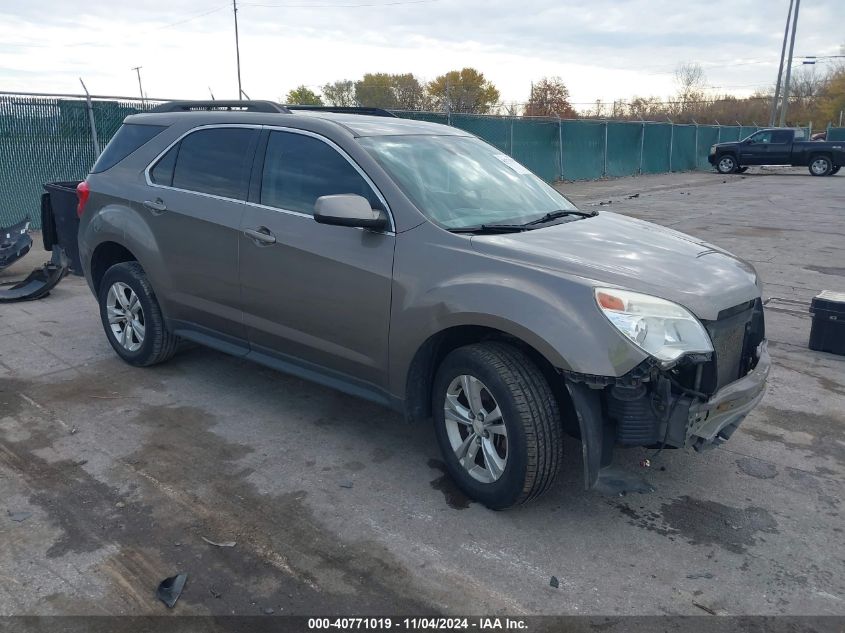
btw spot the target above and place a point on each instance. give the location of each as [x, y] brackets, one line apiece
[489, 228]
[526, 226]
[560, 213]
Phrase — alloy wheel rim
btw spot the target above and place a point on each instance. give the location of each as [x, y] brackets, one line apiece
[476, 429]
[819, 166]
[726, 164]
[126, 316]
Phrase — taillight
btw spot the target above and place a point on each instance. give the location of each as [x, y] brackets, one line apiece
[82, 193]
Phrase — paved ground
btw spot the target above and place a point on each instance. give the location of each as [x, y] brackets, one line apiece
[122, 471]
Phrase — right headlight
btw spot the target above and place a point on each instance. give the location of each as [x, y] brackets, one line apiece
[659, 327]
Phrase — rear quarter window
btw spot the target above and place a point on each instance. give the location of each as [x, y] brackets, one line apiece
[129, 138]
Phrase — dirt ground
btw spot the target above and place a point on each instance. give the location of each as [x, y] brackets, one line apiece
[111, 476]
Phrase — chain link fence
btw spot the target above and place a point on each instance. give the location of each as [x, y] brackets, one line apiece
[49, 138]
[46, 138]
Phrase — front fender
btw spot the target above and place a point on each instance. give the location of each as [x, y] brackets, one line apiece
[438, 287]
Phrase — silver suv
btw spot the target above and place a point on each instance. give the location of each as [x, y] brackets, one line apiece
[414, 265]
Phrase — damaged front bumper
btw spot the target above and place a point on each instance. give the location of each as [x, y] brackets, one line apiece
[712, 422]
[15, 242]
[650, 409]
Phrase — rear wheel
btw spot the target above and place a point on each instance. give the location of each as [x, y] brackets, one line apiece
[497, 423]
[132, 317]
[820, 166]
[726, 164]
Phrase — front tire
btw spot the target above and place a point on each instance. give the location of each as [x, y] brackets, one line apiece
[820, 166]
[132, 317]
[497, 423]
[726, 164]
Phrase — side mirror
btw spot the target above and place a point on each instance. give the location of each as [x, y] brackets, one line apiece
[347, 209]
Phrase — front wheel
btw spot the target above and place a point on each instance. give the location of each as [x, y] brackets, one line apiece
[820, 166]
[726, 164]
[497, 423]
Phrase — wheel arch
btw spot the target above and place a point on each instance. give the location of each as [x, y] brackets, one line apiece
[430, 354]
[106, 255]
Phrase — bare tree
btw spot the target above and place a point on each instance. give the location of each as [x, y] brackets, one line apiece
[691, 82]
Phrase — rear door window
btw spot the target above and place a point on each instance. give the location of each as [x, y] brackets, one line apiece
[782, 136]
[214, 161]
[298, 169]
[129, 137]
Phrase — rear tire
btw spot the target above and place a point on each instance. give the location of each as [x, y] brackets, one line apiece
[503, 419]
[726, 164]
[132, 317]
[820, 166]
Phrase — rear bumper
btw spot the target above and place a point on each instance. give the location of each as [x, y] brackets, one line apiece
[712, 422]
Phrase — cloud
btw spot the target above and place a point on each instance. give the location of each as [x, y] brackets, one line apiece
[603, 49]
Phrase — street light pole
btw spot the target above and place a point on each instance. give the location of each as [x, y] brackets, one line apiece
[137, 69]
[237, 49]
[785, 106]
[780, 68]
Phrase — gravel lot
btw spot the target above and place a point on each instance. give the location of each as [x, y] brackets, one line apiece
[336, 505]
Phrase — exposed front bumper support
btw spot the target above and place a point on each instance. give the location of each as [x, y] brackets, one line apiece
[714, 421]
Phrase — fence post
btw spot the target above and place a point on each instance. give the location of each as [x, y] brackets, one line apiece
[560, 143]
[604, 173]
[91, 121]
[696, 143]
[642, 148]
[671, 142]
[511, 143]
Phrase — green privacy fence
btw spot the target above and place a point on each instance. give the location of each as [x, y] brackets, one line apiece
[585, 149]
[836, 134]
[44, 139]
[47, 138]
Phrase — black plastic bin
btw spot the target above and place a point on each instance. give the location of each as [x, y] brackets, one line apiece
[59, 222]
[828, 331]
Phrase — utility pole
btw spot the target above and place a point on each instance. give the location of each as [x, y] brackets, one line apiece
[774, 114]
[789, 66]
[137, 69]
[237, 50]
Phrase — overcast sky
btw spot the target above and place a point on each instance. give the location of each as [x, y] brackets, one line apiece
[601, 48]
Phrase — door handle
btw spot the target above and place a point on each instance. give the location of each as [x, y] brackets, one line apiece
[261, 234]
[156, 206]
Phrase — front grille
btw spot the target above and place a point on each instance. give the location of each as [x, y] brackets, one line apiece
[735, 335]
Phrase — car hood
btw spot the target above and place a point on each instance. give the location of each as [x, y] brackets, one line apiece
[624, 252]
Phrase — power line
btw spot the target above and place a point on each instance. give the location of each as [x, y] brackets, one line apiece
[336, 6]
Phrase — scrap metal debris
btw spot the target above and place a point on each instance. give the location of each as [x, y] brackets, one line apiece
[554, 582]
[345, 484]
[219, 544]
[170, 589]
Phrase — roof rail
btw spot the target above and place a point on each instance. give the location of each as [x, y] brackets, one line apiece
[343, 110]
[237, 106]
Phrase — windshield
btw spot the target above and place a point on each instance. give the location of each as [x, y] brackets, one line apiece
[460, 182]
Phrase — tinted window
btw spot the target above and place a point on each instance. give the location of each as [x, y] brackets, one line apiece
[762, 137]
[781, 137]
[128, 138]
[162, 172]
[215, 161]
[298, 169]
